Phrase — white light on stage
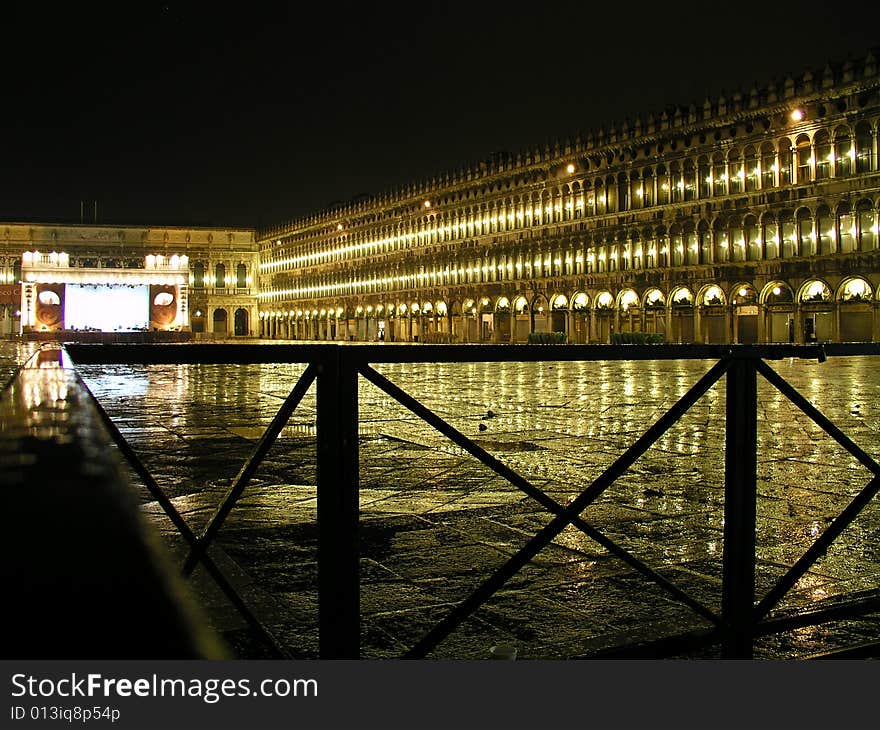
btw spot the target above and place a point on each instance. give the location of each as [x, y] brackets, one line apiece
[107, 308]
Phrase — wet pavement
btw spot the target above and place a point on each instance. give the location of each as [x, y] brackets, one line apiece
[436, 522]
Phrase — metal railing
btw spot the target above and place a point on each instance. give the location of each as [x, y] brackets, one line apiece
[335, 370]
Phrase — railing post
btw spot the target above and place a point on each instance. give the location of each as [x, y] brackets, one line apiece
[740, 492]
[337, 472]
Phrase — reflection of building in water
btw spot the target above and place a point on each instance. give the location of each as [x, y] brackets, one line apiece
[124, 278]
[748, 218]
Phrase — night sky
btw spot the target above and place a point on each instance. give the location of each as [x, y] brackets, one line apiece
[208, 114]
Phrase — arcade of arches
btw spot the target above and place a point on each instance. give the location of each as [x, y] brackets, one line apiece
[778, 311]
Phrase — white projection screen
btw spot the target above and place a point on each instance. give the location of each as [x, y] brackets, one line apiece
[106, 308]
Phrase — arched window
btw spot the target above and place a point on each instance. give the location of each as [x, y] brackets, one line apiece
[690, 180]
[676, 242]
[825, 227]
[752, 239]
[768, 165]
[719, 175]
[750, 160]
[737, 242]
[662, 185]
[804, 155]
[638, 193]
[805, 237]
[676, 186]
[241, 276]
[815, 291]
[846, 229]
[721, 246]
[735, 171]
[843, 153]
[625, 254]
[770, 236]
[788, 232]
[864, 145]
[622, 192]
[648, 188]
[612, 256]
[589, 199]
[198, 275]
[662, 250]
[824, 155]
[637, 253]
[704, 236]
[867, 218]
[220, 277]
[611, 194]
[649, 246]
[704, 178]
[691, 246]
[786, 162]
[600, 197]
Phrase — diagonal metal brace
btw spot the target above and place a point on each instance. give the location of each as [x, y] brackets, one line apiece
[818, 417]
[546, 535]
[250, 466]
[171, 511]
[844, 519]
[518, 481]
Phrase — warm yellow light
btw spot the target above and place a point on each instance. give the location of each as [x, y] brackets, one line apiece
[427, 203]
[338, 226]
[570, 169]
[796, 115]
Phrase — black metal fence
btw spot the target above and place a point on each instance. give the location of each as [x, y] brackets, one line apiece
[335, 370]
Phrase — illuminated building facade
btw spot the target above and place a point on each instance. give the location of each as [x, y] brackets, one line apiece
[57, 278]
[748, 218]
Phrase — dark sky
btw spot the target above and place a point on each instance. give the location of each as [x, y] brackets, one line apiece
[254, 114]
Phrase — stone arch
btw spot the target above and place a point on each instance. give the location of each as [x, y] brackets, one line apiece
[855, 310]
[711, 295]
[814, 290]
[220, 324]
[776, 292]
[854, 288]
[241, 322]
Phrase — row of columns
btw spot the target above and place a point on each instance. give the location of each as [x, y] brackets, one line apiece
[833, 322]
